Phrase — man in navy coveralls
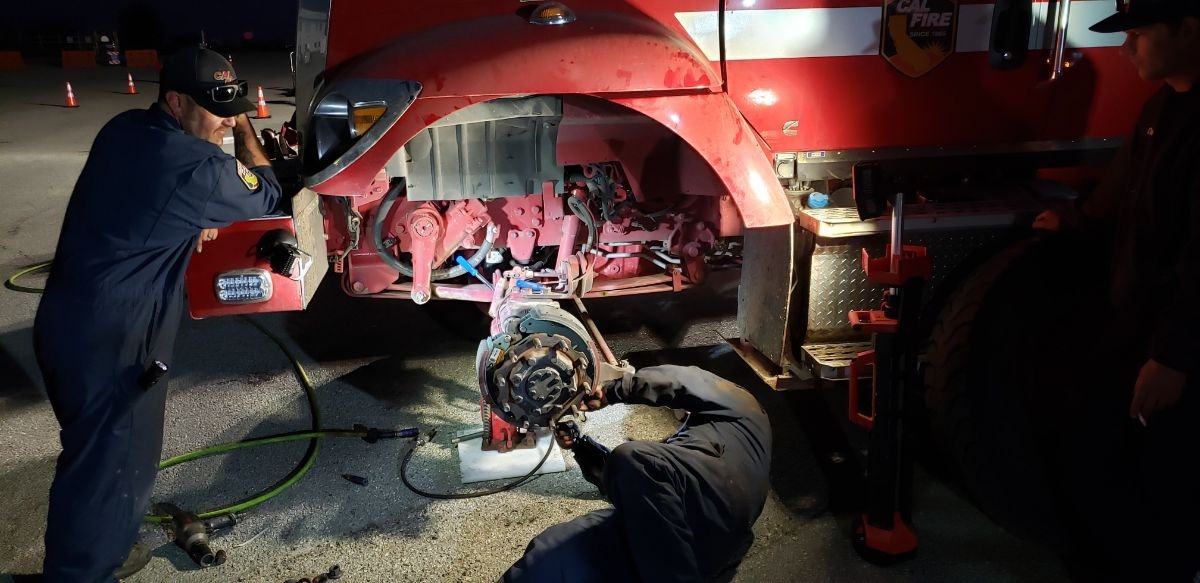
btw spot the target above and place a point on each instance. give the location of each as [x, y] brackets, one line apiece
[156, 185]
[683, 509]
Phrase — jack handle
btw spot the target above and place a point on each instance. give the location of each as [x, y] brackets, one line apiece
[857, 363]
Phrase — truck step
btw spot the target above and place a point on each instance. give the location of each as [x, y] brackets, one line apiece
[844, 222]
[831, 361]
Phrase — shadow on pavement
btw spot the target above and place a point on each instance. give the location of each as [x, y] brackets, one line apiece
[19, 389]
[339, 327]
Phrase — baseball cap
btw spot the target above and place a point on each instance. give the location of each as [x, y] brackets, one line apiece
[208, 78]
[1135, 13]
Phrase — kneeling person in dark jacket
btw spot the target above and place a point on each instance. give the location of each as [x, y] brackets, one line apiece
[682, 509]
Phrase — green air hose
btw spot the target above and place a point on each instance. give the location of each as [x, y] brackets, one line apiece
[314, 435]
[310, 455]
[11, 282]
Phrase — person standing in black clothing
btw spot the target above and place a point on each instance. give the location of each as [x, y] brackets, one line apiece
[156, 185]
[1134, 450]
[682, 509]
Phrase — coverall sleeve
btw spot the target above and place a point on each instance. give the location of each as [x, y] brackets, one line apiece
[1175, 342]
[656, 529]
[1098, 211]
[239, 193]
[691, 389]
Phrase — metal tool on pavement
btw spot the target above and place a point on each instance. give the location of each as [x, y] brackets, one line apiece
[191, 534]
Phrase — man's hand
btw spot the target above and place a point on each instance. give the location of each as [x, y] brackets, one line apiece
[1048, 220]
[562, 434]
[593, 400]
[1158, 387]
[589, 453]
[246, 146]
[609, 377]
[205, 235]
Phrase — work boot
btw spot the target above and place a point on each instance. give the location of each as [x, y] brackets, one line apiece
[139, 557]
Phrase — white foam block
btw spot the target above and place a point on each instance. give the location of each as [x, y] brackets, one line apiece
[479, 466]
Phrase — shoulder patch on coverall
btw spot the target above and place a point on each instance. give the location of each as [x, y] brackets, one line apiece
[249, 178]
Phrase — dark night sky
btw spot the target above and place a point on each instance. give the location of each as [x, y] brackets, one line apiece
[222, 20]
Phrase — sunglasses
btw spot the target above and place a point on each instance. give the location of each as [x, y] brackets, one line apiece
[227, 93]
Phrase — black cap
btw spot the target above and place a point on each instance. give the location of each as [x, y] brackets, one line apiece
[195, 72]
[1135, 13]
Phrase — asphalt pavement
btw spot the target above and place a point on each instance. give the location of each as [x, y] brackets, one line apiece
[390, 363]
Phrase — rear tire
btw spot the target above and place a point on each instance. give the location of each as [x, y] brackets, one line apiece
[995, 382]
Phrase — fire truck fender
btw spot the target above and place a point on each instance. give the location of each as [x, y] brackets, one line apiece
[712, 124]
[500, 55]
[634, 62]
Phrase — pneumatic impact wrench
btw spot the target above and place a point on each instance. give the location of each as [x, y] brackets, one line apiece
[191, 534]
[589, 453]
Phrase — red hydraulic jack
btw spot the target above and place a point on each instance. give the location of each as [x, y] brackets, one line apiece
[883, 534]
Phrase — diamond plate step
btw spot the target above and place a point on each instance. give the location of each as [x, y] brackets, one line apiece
[831, 361]
[844, 222]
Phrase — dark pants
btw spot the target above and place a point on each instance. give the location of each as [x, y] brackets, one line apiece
[1135, 490]
[591, 548]
[111, 433]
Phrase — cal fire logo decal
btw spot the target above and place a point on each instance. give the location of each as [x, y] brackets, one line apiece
[917, 35]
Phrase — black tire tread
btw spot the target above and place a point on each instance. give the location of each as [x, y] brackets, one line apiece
[955, 425]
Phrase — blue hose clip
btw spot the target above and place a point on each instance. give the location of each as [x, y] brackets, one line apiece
[530, 285]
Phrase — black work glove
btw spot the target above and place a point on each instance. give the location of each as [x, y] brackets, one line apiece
[591, 456]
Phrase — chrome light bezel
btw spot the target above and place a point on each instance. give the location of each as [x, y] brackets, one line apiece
[266, 286]
[567, 16]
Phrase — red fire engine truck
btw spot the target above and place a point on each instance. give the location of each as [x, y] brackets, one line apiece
[516, 153]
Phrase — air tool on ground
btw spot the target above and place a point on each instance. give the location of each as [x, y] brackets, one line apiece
[191, 534]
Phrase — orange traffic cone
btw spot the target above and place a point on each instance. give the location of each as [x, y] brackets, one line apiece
[263, 112]
[71, 96]
[131, 89]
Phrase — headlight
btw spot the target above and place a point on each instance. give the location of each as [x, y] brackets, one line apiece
[363, 116]
[337, 123]
[349, 117]
[551, 14]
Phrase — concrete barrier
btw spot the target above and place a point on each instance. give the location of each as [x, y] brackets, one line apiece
[11, 60]
[78, 59]
[141, 58]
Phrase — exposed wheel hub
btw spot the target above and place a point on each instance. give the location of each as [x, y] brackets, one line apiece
[536, 365]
